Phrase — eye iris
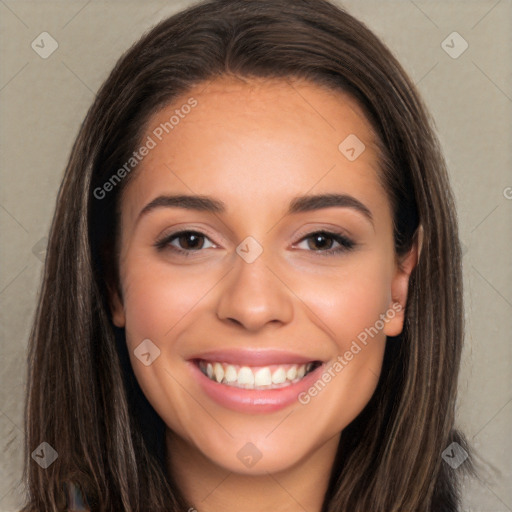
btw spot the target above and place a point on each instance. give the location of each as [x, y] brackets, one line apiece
[318, 241]
[187, 237]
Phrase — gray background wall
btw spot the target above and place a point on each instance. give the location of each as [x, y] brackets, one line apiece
[43, 101]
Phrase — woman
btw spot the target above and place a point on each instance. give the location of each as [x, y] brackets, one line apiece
[196, 344]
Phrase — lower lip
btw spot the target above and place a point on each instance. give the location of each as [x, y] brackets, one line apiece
[253, 400]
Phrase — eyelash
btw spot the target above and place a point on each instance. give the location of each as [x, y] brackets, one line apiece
[345, 243]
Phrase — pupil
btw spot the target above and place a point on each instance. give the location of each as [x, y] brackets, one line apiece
[189, 237]
[318, 241]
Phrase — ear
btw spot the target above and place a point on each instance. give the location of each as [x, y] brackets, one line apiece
[116, 306]
[400, 285]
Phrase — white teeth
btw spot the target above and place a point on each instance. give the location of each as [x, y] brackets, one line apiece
[266, 377]
[231, 374]
[279, 376]
[263, 377]
[291, 374]
[219, 372]
[245, 376]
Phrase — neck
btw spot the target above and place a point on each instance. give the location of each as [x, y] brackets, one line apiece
[211, 488]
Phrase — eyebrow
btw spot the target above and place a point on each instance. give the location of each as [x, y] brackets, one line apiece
[298, 204]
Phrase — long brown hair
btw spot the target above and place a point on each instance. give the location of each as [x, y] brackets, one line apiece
[83, 398]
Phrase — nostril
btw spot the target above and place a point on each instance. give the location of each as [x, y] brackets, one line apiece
[235, 321]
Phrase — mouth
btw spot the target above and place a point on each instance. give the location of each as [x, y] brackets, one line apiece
[269, 377]
[254, 381]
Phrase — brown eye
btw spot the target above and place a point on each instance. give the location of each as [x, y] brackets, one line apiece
[320, 242]
[323, 242]
[184, 242]
[190, 240]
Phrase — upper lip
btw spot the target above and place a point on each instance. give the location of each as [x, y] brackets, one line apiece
[255, 357]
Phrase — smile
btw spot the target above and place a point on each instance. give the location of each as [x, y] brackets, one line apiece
[274, 376]
[254, 381]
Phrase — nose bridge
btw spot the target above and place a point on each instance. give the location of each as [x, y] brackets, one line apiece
[253, 295]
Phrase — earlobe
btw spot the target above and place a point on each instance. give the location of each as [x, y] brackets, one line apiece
[395, 314]
[116, 307]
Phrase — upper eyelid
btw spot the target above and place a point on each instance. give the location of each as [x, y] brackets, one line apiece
[166, 234]
[329, 231]
[167, 238]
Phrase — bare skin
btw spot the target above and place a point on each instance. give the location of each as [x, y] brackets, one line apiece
[255, 145]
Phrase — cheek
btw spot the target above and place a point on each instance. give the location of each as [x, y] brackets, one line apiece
[157, 302]
[157, 299]
[349, 305]
[351, 299]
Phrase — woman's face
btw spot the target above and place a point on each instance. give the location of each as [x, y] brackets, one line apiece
[258, 282]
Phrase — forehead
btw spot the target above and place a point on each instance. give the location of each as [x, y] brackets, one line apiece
[256, 142]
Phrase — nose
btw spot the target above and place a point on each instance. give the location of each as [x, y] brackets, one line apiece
[254, 295]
